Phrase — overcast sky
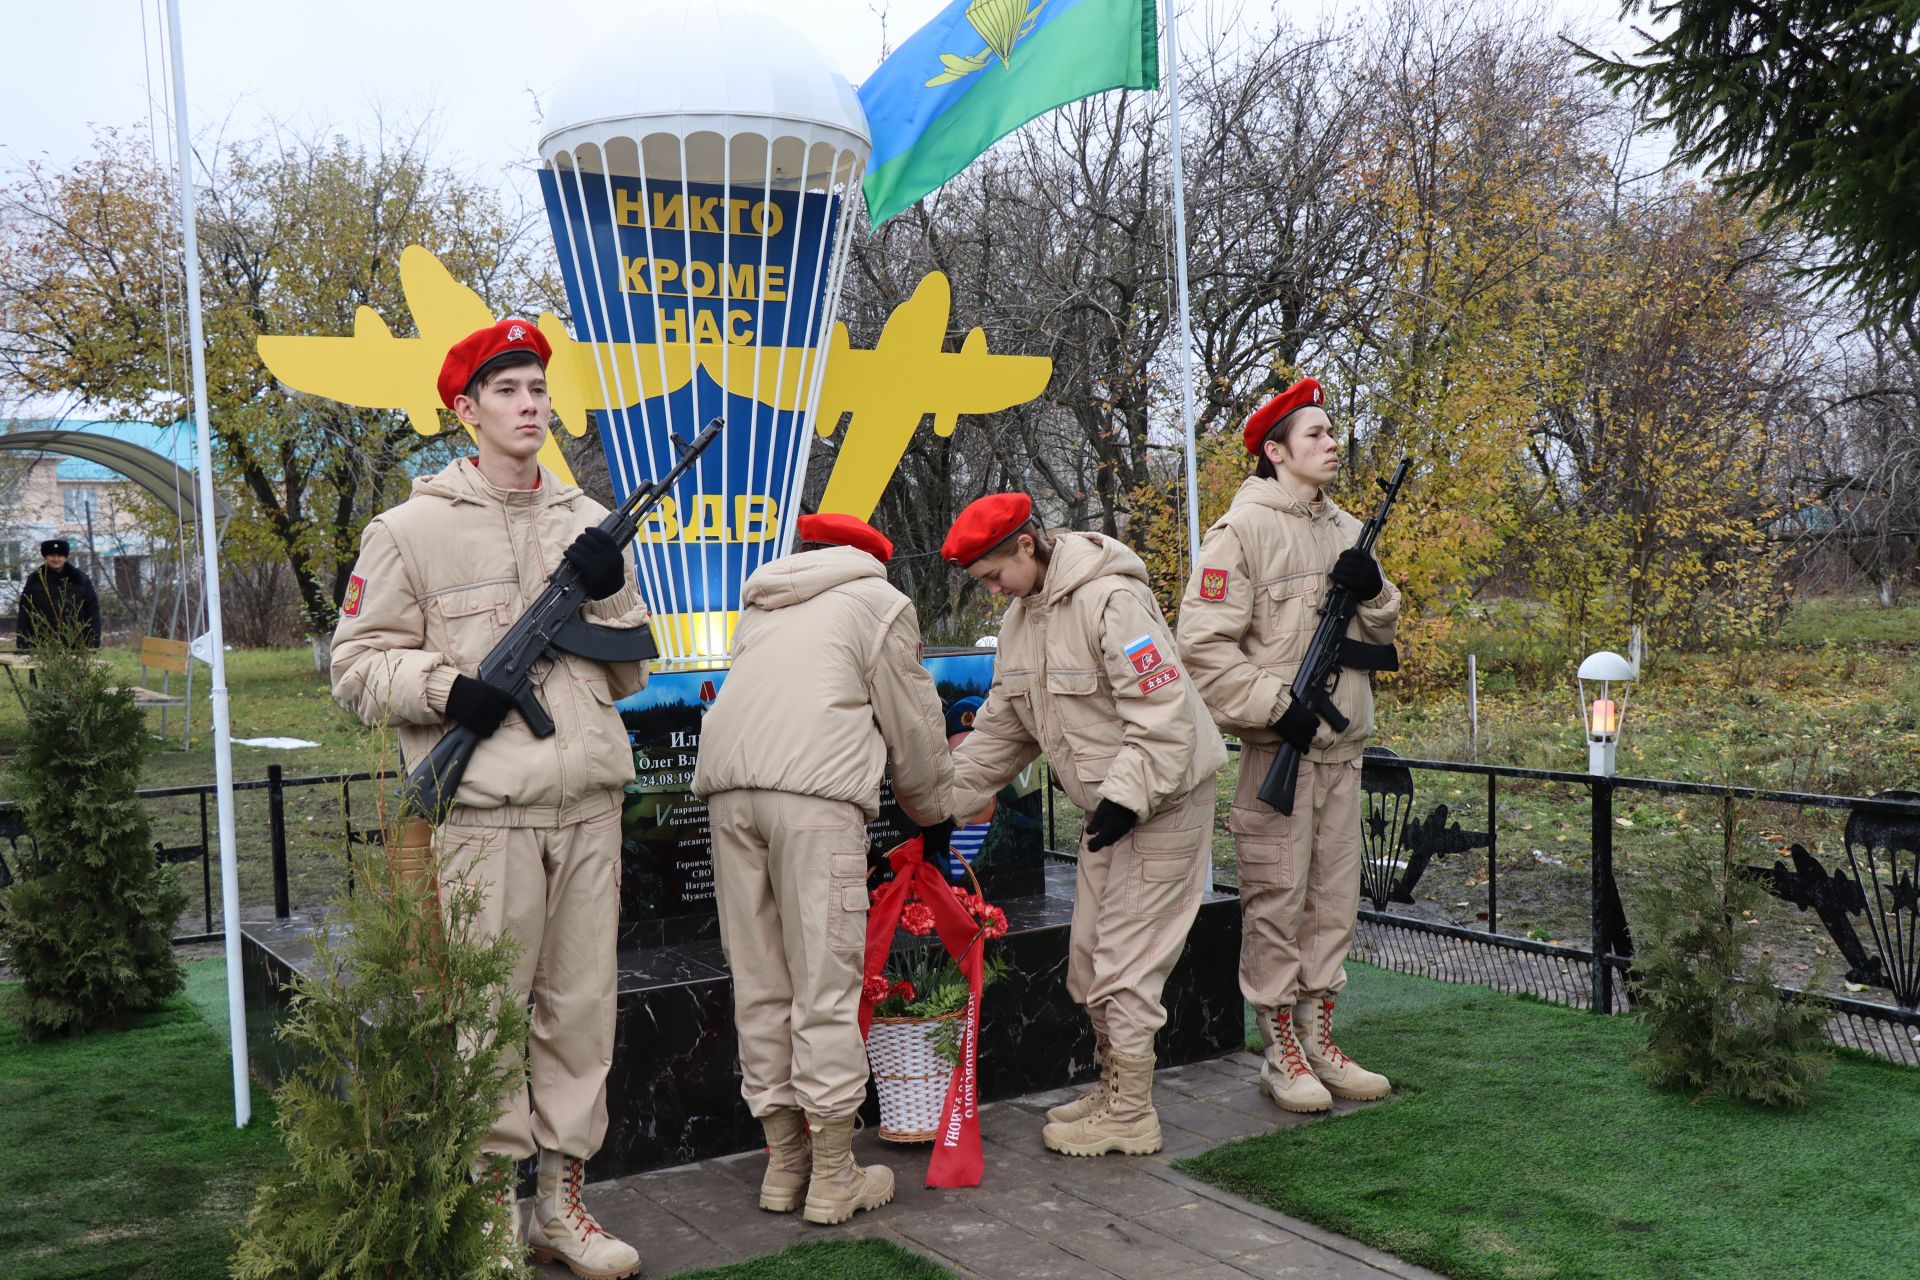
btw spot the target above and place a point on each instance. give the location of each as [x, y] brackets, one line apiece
[480, 66]
[333, 62]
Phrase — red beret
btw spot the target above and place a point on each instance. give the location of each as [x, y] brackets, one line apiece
[846, 531]
[983, 525]
[1267, 416]
[482, 345]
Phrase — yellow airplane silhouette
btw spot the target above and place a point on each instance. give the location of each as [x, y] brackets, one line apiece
[888, 389]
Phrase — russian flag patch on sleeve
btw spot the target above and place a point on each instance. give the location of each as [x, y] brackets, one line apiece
[1143, 654]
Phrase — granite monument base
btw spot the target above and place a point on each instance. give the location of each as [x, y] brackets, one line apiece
[674, 1093]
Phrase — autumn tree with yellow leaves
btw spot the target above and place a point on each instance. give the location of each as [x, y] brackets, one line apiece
[1593, 370]
[296, 234]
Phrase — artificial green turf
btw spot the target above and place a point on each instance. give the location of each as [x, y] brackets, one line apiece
[121, 1159]
[1522, 1146]
[831, 1260]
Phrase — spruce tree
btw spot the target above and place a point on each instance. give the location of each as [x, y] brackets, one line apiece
[1714, 1019]
[1807, 110]
[88, 922]
[409, 1047]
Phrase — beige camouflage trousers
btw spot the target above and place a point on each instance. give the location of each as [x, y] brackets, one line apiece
[1134, 902]
[790, 874]
[557, 891]
[1299, 880]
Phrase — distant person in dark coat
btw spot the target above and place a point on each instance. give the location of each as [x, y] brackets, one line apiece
[57, 596]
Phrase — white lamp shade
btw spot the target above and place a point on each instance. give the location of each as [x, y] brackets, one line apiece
[1605, 665]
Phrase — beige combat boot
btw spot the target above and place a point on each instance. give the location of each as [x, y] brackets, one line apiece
[1284, 1074]
[789, 1160]
[1343, 1077]
[839, 1188]
[1095, 1098]
[504, 1193]
[1125, 1121]
[561, 1230]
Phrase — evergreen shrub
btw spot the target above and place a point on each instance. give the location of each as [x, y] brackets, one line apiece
[409, 1047]
[87, 924]
[1716, 1023]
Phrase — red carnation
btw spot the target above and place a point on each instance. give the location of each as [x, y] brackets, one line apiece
[996, 922]
[874, 989]
[917, 919]
[903, 990]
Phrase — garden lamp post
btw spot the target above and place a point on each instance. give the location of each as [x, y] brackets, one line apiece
[1603, 679]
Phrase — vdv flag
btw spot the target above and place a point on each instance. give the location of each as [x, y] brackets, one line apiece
[983, 68]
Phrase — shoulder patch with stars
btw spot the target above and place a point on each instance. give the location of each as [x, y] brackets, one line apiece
[1160, 679]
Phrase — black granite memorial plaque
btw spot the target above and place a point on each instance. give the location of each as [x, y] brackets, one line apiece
[666, 883]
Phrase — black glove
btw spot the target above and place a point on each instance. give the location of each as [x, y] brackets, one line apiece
[1356, 571]
[936, 843]
[477, 705]
[601, 564]
[1297, 725]
[1110, 822]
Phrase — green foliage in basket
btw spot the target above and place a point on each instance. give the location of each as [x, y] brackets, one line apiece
[926, 983]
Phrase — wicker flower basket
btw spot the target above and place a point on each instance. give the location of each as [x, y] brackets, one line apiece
[910, 1075]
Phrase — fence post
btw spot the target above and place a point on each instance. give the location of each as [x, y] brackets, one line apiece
[1602, 879]
[277, 834]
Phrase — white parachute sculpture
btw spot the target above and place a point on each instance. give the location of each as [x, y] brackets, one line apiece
[699, 169]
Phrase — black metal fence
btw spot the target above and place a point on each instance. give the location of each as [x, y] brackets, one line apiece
[1436, 888]
[1846, 875]
[284, 827]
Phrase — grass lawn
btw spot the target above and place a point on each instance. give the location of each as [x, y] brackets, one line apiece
[830, 1260]
[271, 693]
[122, 1163]
[1523, 1147]
[121, 1159]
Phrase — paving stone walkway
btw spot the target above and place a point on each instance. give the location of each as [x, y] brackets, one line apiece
[1037, 1216]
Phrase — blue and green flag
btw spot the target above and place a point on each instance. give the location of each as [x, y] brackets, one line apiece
[982, 69]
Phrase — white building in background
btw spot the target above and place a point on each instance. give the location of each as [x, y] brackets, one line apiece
[100, 511]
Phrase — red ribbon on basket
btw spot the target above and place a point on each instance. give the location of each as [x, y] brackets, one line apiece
[957, 1160]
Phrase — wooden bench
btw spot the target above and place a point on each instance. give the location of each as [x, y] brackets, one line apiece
[170, 659]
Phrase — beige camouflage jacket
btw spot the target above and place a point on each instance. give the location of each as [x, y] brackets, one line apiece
[1251, 606]
[826, 685]
[1087, 671]
[440, 579]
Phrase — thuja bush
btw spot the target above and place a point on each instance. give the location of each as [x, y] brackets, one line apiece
[408, 1048]
[87, 923]
[1715, 1021]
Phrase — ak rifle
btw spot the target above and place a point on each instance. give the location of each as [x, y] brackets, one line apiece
[548, 628]
[1320, 669]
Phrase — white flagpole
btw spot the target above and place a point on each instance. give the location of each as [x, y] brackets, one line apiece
[1186, 312]
[210, 562]
[1180, 281]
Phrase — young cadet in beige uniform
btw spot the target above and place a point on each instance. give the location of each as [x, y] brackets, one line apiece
[535, 824]
[1087, 672]
[1245, 621]
[826, 686]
